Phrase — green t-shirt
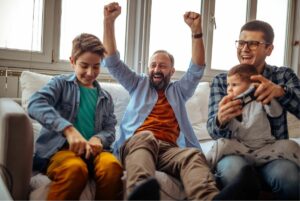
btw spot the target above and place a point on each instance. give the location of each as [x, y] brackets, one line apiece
[85, 120]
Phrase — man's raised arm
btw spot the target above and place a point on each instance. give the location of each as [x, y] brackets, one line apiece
[111, 12]
[193, 20]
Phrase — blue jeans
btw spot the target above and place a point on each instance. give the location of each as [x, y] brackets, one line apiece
[281, 176]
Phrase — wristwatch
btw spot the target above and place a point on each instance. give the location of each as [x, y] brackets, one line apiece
[284, 87]
[197, 35]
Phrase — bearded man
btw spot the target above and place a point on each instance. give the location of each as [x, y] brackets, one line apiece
[155, 131]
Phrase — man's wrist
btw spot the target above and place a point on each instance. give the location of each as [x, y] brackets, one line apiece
[219, 124]
[68, 130]
[197, 35]
[284, 89]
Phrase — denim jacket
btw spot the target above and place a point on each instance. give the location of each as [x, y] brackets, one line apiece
[144, 97]
[55, 107]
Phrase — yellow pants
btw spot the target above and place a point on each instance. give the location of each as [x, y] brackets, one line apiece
[69, 175]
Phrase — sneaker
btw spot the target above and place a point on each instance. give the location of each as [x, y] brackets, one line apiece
[146, 190]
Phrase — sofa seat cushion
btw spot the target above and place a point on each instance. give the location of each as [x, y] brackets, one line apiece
[197, 110]
[40, 183]
[172, 189]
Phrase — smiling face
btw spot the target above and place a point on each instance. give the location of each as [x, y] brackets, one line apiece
[87, 68]
[160, 70]
[256, 56]
[236, 85]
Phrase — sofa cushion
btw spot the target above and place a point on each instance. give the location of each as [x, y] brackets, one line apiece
[197, 109]
[30, 83]
[120, 97]
[294, 126]
[40, 186]
[171, 188]
[196, 105]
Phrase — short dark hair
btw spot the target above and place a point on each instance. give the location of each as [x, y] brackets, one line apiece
[169, 55]
[245, 71]
[264, 27]
[87, 43]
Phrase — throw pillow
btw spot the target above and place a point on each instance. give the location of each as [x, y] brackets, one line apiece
[197, 109]
[30, 83]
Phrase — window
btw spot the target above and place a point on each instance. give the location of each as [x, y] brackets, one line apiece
[168, 30]
[21, 24]
[229, 16]
[37, 34]
[80, 16]
[278, 20]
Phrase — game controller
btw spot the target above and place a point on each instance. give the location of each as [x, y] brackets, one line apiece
[247, 96]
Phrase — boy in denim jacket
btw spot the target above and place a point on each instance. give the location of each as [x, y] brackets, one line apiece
[78, 122]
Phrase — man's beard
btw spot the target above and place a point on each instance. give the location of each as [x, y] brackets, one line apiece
[162, 84]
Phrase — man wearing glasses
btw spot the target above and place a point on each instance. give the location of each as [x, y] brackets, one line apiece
[254, 45]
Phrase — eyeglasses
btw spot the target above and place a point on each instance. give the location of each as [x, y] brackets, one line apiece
[251, 44]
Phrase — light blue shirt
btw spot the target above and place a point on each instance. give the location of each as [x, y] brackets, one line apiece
[143, 97]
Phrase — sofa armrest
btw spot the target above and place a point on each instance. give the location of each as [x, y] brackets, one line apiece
[17, 100]
[4, 194]
[16, 146]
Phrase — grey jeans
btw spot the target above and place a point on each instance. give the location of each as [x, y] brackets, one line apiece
[142, 154]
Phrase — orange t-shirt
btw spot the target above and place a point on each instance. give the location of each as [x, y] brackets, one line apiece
[162, 121]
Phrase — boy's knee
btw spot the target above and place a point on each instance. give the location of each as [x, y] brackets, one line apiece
[76, 168]
[108, 165]
[108, 169]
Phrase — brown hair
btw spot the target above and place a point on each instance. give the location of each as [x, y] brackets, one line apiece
[245, 71]
[264, 27]
[87, 43]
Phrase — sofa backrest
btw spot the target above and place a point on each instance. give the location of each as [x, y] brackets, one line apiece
[196, 106]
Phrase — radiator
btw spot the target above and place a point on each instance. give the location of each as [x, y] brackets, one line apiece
[9, 83]
[10, 80]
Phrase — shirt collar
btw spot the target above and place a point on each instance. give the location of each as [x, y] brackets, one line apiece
[267, 71]
[72, 78]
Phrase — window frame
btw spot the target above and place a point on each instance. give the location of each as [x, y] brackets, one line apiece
[45, 54]
[137, 39]
[208, 12]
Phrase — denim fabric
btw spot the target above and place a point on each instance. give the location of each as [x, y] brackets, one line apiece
[144, 96]
[55, 107]
[280, 176]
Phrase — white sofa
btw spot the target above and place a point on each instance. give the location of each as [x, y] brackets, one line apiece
[197, 108]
